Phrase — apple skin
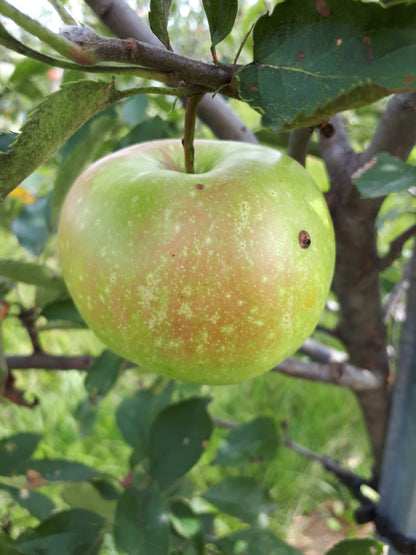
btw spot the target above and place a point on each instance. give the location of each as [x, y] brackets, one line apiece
[212, 277]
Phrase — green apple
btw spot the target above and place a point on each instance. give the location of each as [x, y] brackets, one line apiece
[212, 277]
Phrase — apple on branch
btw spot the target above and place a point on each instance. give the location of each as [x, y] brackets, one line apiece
[212, 277]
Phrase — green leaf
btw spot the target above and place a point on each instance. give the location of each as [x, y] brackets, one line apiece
[15, 450]
[54, 120]
[83, 495]
[185, 522]
[39, 505]
[136, 414]
[34, 274]
[308, 66]
[178, 438]
[74, 163]
[58, 470]
[221, 16]
[159, 19]
[384, 174]
[255, 542]
[103, 373]
[141, 524]
[32, 226]
[357, 547]
[7, 545]
[63, 311]
[67, 533]
[148, 130]
[255, 441]
[241, 497]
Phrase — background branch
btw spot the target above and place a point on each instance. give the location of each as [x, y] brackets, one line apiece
[299, 144]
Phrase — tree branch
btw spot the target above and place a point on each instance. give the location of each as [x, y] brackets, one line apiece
[299, 144]
[44, 361]
[396, 248]
[213, 111]
[335, 373]
[396, 131]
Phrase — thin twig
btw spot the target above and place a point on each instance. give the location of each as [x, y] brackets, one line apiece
[396, 248]
[299, 143]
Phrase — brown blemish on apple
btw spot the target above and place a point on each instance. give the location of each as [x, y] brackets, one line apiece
[304, 239]
[199, 186]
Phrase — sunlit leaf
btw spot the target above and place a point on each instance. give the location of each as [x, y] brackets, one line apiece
[254, 541]
[357, 547]
[54, 120]
[34, 274]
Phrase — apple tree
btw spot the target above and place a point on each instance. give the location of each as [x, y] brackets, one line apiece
[282, 75]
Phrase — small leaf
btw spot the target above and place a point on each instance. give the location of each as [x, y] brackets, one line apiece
[384, 174]
[15, 450]
[241, 497]
[58, 470]
[63, 311]
[357, 547]
[103, 373]
[159, 19]
[141, 524]
[39, 505]
[255, 441]
[32, 226]
[148, 130]
[307, 67]
[136, 414]
[54, 120]
[7, 545]
[185, 522]
[178, 439]
[255, 542]
[67, 533]
[34, 274]
[221, 16]
[83, 495]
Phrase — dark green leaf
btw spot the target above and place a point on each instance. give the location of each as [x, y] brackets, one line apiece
[255, 542]
[34, 274]
[255, 441]
[39, 505]
[221, 16]
[83, 495]
[15, 450]
[148, 130]
[136, 415]
[141, 524]
[241, 497]
[357, 547]
[63, 311]
[32, 226]
[159, 19]
[178, 438]
[103, 373]
[55, 119]
[67, 533]
[308, 66]
[57, 470]
[185, 522]
[6, 140]
[82, 155]
[385, 174]
[7, 545]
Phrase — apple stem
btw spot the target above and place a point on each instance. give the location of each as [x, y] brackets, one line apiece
[189, 133]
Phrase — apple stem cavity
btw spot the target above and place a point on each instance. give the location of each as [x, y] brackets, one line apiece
[189, 132]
